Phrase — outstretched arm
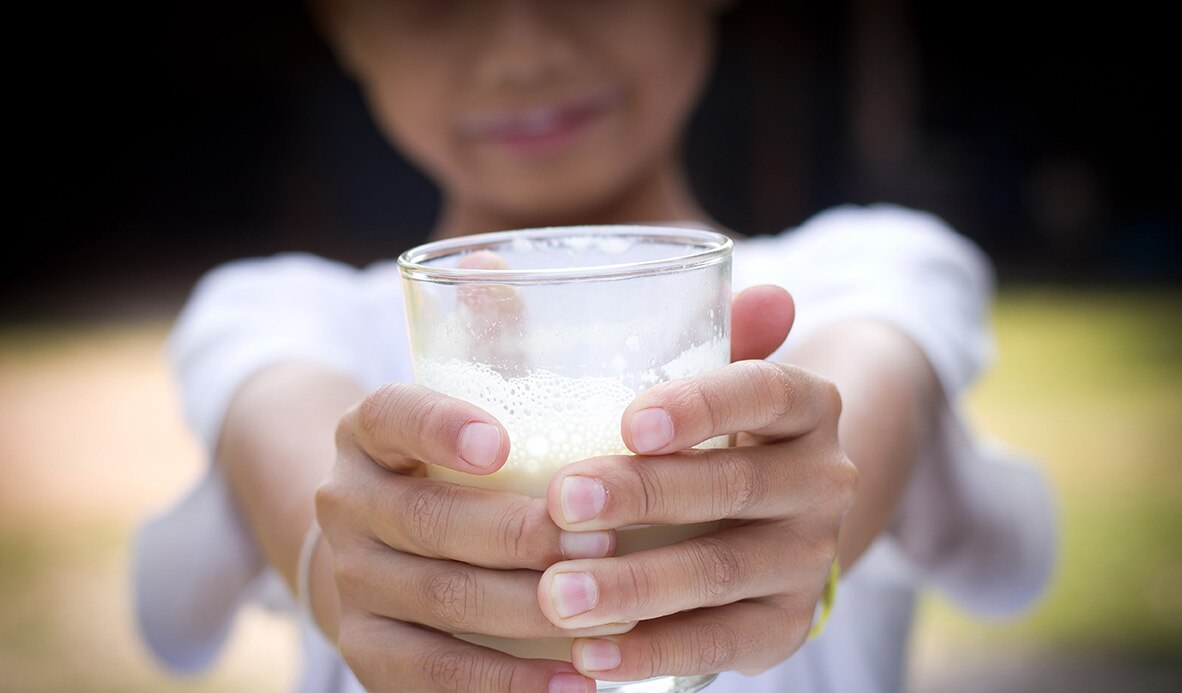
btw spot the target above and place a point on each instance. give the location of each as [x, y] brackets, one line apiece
[890, 399]
[277, 447]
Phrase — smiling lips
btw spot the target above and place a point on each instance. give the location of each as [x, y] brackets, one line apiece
[541, 130]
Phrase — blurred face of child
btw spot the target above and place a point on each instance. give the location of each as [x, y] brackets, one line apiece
[532, 110]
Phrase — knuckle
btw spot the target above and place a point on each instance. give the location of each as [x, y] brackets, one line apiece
[403, 410]
[453, 597]
[376, 407]
[799, 623]
[736, 482]
[638, 582]
[718, 568]
[467, 671]
[691, 396]
[818, 556]
[787, 629]
[781, 392]
[845, 483]
[659, 660]
[698, 396]
[352, 642]
[327, 500]
[349, 574]
[428, 513]
[830, 400]
[514, 533]
[713, 647]
[772, 384]
[497, 675]
[709, 647]
[432, 418]
[652, 491]
[344, 435]
[451, 670]
[518, 525]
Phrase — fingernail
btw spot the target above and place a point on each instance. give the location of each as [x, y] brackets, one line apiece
[582, 498]
[652, 429]
[573, 594]
[597, 655]
[480, 444]
[568, 682]
[586, 544]
[600, 631]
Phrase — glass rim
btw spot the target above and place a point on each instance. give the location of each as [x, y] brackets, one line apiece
[704, 247]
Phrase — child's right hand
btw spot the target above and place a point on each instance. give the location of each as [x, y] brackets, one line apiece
[416, 559]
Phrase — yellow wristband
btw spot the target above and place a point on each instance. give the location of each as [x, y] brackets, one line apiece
[827, 598]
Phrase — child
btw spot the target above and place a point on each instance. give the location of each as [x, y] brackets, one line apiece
[534, 113]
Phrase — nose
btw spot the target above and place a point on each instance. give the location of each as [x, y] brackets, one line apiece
[525, 42]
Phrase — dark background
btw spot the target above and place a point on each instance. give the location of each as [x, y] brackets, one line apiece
[152, 143]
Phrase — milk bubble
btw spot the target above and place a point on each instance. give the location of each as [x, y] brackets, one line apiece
[552, 420]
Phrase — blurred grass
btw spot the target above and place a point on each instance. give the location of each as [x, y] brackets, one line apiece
[1090, 382]
[91, 442]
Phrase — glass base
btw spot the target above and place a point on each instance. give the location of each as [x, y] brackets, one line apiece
[658, 684]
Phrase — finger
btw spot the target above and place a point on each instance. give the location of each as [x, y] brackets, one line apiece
[749, 482]
[492, 314]
[761, 317]
[400, 425]
[492, 529]
[392, 656]
[768, 400]
[749, 636]
[742, 562]
[448, 596]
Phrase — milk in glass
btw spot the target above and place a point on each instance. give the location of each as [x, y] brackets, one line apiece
[552, 421]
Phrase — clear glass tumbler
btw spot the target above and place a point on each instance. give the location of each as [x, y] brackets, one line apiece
[555, 331]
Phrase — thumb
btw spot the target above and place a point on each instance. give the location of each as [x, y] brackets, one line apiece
[761, 317]
[492, 314]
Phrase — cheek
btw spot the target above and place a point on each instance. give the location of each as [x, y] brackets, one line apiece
[411, 73]
[413, 111]
[666, 58]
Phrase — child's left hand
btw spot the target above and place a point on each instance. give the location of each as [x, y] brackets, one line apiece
[742, 597]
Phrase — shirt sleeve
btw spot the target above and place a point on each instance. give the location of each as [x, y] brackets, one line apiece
[977, 519]
[904, 267]
[252, 313]
[196, 563]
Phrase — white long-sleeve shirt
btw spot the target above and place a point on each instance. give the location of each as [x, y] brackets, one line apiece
[196, 564]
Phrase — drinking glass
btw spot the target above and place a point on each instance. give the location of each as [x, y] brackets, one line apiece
[555, 331]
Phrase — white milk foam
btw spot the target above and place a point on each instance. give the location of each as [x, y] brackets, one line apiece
[552, 420]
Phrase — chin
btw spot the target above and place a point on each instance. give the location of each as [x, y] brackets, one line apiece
[557, 201]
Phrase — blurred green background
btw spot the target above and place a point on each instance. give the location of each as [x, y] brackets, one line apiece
[1089, 381]
[226, 130]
